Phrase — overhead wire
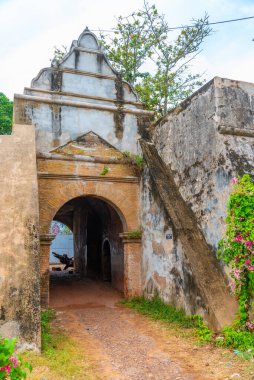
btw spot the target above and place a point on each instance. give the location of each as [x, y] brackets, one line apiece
[186, 26]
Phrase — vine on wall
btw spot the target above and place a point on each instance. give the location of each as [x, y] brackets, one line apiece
[237, 248]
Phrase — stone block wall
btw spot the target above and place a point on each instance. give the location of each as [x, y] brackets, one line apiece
[19, 242]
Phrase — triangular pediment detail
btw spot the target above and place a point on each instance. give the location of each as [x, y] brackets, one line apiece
[88, 145]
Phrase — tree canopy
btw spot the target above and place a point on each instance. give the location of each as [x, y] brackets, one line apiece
[142, 40]
[6, 110]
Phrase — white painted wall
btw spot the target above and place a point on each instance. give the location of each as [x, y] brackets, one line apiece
[62, 244]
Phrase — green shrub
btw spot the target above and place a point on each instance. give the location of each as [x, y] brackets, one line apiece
[237, 248]
[11, 365]
[233, 337]
[6, 110]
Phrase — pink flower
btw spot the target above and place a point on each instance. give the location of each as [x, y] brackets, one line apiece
[249, 267]
[14, 361]
[6, 368]
[249, 243]
[240, 218]
[236, 258]
[234, 180]
[237, 273]
[238, 238]
[247, 262]
[250, 325]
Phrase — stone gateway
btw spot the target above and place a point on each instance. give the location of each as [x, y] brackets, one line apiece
[70, 158]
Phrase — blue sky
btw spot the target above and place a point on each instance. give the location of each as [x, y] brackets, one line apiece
[29, 30]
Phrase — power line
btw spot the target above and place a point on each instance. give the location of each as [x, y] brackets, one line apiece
[186, 26]
[215, 23]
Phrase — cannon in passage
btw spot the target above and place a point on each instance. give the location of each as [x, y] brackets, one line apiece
[64, 259]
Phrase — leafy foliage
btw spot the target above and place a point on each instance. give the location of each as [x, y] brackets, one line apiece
[142, 38]
[233, 337]
[237, 249]
[58, 55]
[11, 366]
[6, 110]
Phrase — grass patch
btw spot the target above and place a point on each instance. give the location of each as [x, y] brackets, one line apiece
[157, 310]
[241, 342]
[233, 337]
[61, 358]
[46, 334]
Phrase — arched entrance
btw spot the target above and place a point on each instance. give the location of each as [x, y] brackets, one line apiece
[102, 249]
[96, 227]
[96, 208]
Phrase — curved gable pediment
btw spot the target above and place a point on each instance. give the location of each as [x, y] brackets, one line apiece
[86, 54]
[88, 40]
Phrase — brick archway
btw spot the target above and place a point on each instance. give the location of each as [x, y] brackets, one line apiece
[120, 195]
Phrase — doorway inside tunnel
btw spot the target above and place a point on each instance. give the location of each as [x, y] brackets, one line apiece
[98, 252]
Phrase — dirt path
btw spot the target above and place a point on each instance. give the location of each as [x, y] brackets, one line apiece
[122, 344]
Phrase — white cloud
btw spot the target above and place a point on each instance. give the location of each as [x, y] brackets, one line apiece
[30, 29]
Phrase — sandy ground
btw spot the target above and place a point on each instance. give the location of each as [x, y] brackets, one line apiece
[122, 344]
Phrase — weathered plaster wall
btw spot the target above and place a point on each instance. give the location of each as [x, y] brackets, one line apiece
[165, 269]
[192, 141]
[19, 269]
[81, 94]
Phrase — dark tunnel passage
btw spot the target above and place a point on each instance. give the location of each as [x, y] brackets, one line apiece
[98, 249]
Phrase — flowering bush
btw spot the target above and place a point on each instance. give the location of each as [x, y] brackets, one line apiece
[11, 366]
[237, 249]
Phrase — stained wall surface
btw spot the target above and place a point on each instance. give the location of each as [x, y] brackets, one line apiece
[19, 239]
[205, 142]
[82, 93]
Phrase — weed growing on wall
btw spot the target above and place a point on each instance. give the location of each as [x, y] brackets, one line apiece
[135, 234]
[104, 171]
[134, 159]
[237, 248]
